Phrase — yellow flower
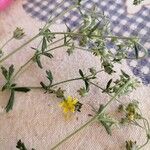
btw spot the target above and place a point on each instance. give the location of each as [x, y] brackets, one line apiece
[69, 104]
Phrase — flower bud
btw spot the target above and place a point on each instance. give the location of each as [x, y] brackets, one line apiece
[18, 33]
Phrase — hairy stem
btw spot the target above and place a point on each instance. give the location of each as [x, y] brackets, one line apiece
[36, 36]
[6, 43]
[93, 118]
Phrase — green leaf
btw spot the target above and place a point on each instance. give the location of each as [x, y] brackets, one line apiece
[65, 40]
[82, 92]
[86, 85]
[70, 50]
[81, 73]
[137, 2]
[136, 51]
[48, 55]
[107, 127]
[79, 2]
[11, 70]
[108, 67]
[10, 102]
[101, 107]
[22, 89]
[5, 87]
[130, 145]
[106, 121]
[108, 84]
[93, 29]
[49, 76]
[92, 71]
[37, 58]
[124, 74]
[13, 85]
[43, 85]
[20, 145]
[44, 44]
[4, 72]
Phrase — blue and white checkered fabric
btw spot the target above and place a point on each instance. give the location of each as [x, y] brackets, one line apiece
[121, 23]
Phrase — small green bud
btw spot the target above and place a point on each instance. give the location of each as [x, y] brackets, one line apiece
[60, 93]
[18, 33]
[82, 92]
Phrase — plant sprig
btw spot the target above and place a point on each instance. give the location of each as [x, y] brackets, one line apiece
[93, 35]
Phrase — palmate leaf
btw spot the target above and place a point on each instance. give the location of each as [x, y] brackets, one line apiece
[106, 121]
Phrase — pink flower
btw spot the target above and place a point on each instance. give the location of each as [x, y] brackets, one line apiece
[4, 4]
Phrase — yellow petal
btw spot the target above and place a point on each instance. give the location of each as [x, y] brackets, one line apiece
[65, 110]
[75, 101]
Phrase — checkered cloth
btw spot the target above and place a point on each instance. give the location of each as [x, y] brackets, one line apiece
[121, 23]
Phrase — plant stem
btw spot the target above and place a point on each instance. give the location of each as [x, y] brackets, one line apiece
[65, 81]
[55, 48]
[106, 92]
[76, 131]
[23, 66]
[135, 123]
[109, 37]
[55, 84]
[144, 144]
[93, 118]
[36, 36]
[16, 50]
[6, 43]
